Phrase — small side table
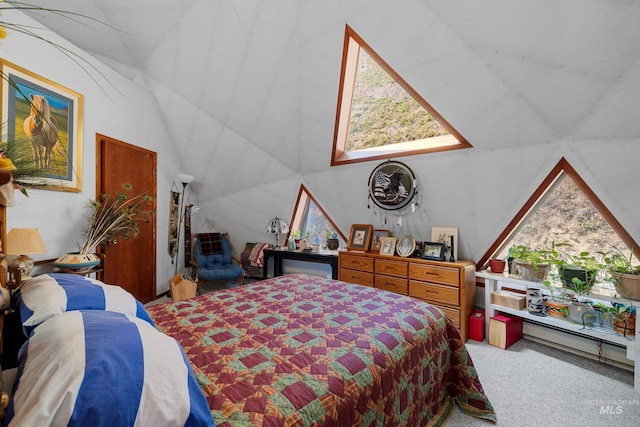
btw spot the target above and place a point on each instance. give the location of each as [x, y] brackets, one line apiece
[308, 256]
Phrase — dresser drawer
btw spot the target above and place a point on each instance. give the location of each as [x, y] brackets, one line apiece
[392, 284]
[435, 274]
[355, 262]
[434, 293]
[452, 313]
[356, 276]
[391, 267]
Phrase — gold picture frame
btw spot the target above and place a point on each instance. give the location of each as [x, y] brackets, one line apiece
[388, 246]
[41, 113]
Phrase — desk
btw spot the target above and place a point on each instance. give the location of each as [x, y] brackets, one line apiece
[279, 255]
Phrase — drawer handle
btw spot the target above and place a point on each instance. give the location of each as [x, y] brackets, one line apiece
[429, 273]
[429, 291]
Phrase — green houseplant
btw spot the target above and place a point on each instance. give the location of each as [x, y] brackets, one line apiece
[555, 304]
[530, 263]
[582, 266]
[620, 270]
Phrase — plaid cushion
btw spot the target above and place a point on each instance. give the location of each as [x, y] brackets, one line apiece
[210, 243]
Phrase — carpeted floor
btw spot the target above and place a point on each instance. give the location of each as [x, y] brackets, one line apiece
[206, 288]
[531, 384]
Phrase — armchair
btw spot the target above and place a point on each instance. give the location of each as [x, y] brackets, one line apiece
[212, 260]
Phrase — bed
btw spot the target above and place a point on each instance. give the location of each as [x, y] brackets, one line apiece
[305, 350]
[293, 350]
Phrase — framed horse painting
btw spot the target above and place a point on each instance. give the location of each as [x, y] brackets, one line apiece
[41, 130]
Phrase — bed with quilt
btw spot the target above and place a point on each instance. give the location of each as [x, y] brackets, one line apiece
[301, 350]
[295, 350]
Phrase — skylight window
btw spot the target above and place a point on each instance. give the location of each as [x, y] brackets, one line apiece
[380, 115]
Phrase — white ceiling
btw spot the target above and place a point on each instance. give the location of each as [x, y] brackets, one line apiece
[257, 80]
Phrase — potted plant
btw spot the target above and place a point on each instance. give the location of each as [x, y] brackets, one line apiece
[555, 304]
[304, 244]
[580, 311]
[530, 263]
[606, 314]
[624, 321]
[295, 235]
[582, 265]
[332, 240]
[620, 270]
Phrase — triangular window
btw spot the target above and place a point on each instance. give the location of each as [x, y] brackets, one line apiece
[563, 209]
[312, 221]
[380, 115]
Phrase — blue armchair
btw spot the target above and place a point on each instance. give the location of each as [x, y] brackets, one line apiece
[212, 260]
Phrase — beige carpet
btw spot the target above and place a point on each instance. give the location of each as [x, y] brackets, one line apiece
[531, 384]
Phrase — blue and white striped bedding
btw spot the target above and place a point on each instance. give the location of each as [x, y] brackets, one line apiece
[43, 297]
[102, 368]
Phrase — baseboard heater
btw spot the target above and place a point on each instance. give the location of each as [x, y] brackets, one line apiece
[592, 348]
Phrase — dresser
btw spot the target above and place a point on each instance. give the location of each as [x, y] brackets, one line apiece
[450, 286]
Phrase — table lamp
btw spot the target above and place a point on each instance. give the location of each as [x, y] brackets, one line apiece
[277, 226]
[23, 242]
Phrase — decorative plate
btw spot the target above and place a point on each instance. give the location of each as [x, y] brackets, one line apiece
[392, 185]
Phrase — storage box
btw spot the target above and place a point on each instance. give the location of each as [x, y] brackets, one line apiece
[476, 325]
[504, 330]
[504, 299]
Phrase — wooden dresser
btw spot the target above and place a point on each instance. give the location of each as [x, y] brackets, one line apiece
[450, 286]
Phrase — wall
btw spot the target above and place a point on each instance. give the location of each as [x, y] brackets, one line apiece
[521, 110]
[109, 106]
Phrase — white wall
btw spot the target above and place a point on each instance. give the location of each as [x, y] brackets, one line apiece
[115, 107]
[521, 99]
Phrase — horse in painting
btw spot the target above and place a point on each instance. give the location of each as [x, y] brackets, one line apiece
[42, 129]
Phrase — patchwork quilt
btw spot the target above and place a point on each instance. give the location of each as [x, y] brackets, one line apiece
[307, 351]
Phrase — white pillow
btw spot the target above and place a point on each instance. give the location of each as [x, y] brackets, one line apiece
[43, 297]
[101, 368]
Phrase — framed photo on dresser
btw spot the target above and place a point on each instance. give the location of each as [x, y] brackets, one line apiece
[388, 246]
[360, 237]
[377, 239]
[433, 251]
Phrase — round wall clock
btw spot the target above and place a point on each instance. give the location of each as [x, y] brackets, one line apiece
[392, 185]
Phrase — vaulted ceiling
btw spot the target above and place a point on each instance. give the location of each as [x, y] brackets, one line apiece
[257, 80]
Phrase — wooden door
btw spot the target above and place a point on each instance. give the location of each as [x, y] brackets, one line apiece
[129, 263]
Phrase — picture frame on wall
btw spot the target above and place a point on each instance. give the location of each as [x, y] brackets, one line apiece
[360, 237]
[377, 237]
[433, 250]
[46, 117]
[387, 246]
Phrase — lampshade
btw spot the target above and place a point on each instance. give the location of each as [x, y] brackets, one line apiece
[23, 242]
[277, 226]
[184, 178]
